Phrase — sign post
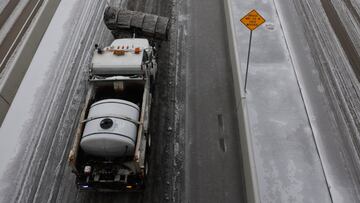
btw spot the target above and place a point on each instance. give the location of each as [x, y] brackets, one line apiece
[252, 20]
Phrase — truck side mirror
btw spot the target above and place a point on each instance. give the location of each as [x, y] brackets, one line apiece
[99, 50]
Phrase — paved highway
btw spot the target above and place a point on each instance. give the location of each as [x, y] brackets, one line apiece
[7, 10]
[197, 157]
[39, 171]
[18, 29]
[55, 86]
[214, 170]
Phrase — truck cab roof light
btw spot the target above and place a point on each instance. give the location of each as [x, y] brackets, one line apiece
[119, 52]
[137, 50]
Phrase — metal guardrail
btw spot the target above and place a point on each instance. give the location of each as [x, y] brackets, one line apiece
[251, 182]
[22, 59]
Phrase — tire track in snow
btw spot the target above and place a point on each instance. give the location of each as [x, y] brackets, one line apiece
[341, 86]
[46, 135]
[342, 35]
[353, 10]
[68, 121]
[7, 11]
[13, 37]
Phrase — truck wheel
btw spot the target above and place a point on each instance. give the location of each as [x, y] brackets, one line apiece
[152, 84]
[149, 140]
[148, 144]
[146, 173]
[146, 168]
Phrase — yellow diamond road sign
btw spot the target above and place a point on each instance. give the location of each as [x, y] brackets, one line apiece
[252, 20]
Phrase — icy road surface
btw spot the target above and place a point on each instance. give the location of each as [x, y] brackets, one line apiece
[214, 171]
[302, 99]
[3, 4]
[35, 145]
[13, 26]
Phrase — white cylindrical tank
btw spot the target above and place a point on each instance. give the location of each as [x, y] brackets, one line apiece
[107, 133]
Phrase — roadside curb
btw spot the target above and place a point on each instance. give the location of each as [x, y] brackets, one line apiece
[252, 193]
[22, 59]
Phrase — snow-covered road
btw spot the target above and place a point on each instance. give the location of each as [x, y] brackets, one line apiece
[338, 141]
[303, 103]
[38, 131]
[35, 144]
[16, 24]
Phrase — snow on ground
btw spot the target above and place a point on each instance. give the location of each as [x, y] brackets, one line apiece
[303, 103]
[292, 117]
[286, 158]
[38, 131]
[12, 18]
[5, 30]
[3, 4]
[32, 127]
[349, 36]
[338, 145]
[349, 13]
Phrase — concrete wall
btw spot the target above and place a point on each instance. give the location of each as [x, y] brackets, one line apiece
[4, 106]
[252, 190]
[22, 59]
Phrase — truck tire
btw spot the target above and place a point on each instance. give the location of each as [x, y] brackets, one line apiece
[147, 168]
[149, 140]
[148, 144]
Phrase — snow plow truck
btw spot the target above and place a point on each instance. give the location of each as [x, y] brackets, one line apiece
[112, 140]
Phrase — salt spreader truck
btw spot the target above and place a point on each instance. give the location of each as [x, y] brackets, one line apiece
[112, 141]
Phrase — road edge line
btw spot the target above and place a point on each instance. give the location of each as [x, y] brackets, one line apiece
[251, 182]
[25, 52]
